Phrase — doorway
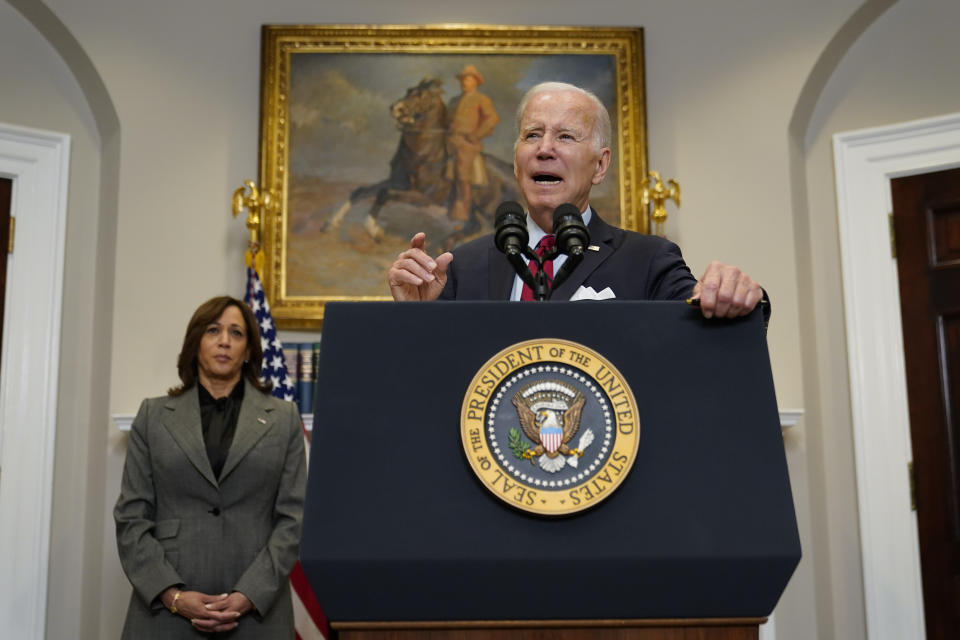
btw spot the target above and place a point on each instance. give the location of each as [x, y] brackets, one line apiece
[38, 163]
[926, 217]
[865, 162]
[6, 191]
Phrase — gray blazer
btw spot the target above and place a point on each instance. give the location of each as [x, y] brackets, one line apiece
[177, 524]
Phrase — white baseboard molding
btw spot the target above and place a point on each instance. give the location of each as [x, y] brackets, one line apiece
[788, 418]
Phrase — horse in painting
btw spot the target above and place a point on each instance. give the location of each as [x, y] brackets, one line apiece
[419, 171]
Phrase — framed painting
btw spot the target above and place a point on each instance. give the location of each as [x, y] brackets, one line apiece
[358, 143]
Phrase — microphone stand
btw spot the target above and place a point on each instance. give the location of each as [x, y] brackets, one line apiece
[573, 259]
[572, 237]
[515, 258]
[539, 285]
[511, 237]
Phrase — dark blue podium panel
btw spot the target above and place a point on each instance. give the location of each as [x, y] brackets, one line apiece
[397, 527]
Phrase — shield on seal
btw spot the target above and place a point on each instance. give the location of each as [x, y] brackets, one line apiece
[551, 436]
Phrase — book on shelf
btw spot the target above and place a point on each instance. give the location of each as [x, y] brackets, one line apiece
[302, 359]
[306, 382]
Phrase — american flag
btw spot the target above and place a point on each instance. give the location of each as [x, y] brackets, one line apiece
[309, 621]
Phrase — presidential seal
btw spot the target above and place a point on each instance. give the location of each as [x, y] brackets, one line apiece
[550, 426]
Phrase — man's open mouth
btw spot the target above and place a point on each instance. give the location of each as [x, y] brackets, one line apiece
[546, 178]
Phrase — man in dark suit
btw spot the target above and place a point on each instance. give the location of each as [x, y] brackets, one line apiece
[562, 150]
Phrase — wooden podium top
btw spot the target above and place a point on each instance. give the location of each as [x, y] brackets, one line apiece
[638, 629]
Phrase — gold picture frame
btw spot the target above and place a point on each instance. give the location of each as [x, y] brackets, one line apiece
[336, 117]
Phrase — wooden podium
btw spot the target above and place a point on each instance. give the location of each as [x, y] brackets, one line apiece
[401, 540]
[681, 629]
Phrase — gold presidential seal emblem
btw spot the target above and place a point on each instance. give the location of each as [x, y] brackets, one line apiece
[550, 426]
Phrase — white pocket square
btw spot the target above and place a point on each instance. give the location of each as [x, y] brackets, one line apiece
[588, 293]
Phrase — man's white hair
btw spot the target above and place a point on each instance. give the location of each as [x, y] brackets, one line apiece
[601, 122]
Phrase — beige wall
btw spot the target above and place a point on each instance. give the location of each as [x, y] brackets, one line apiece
[722, 83]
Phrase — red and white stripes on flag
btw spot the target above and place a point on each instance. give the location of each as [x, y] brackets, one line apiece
[309, 621]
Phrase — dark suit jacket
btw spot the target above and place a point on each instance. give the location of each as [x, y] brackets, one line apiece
[177, 524]
[633, 265]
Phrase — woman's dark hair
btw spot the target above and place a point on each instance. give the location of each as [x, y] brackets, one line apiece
[203, 317]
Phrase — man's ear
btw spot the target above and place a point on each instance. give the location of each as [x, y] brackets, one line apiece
[603, 163]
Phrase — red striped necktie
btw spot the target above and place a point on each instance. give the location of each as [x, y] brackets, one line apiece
[546, 244]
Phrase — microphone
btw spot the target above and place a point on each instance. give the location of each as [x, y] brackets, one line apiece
[572, 239]
[510, 228]
[572, 235]
[511, 238]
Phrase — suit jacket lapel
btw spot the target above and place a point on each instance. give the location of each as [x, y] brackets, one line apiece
[254, 421]
[602, 237]
[500, 275]
[183, 424]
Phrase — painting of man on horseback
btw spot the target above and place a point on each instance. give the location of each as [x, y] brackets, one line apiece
[371, 147]
[438, 163]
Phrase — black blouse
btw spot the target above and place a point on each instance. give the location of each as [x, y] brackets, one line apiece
[219, 419]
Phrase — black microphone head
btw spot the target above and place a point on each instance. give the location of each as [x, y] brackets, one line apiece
[510, 224]
[572, 235]
[565, 211]
[509, 207]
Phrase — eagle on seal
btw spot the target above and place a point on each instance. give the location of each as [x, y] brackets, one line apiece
[549, 413]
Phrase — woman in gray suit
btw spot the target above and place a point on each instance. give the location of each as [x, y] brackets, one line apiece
[209, 513]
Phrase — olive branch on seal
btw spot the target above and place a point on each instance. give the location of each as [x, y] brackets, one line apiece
[518, 443]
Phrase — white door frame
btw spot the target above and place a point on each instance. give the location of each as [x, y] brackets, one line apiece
[38, 162]
[864, 163]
